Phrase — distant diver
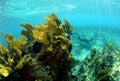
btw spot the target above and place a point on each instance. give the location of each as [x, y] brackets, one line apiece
[83, 40]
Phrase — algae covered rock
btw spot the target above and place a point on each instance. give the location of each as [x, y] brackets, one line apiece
[42, 53]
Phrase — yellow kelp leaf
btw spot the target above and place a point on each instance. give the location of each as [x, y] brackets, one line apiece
[23, 60]
[40, 36]
[5, 71]
[42, 27]
[50, 48]
[15, 44]
[51, 24]
[19, 52]
[10, 61]
[21, 40]
[19, 65]
[55, 18]
[27, 26]
[3, 50]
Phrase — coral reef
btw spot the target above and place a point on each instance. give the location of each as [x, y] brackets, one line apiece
[42, 53]
[99, 66]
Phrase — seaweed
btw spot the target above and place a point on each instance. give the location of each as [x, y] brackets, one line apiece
[100, 65]
[42, 53]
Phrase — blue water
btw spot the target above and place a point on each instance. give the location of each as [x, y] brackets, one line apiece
[98, 15]
[98, 20]
[102, 13]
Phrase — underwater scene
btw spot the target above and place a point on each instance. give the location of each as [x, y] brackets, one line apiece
[59, 40]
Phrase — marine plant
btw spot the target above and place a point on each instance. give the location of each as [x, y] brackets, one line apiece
[42, 53]
[101, 65]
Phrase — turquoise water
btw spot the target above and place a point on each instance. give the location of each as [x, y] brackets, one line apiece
[98, 19]
[102, 13]
[95, 21]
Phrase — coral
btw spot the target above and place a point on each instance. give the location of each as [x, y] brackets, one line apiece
[42, 53]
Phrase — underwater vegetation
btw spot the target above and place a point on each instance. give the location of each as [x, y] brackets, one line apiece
[42, 53]
[99, 65]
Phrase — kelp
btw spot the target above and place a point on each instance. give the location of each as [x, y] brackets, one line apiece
[42, 53]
